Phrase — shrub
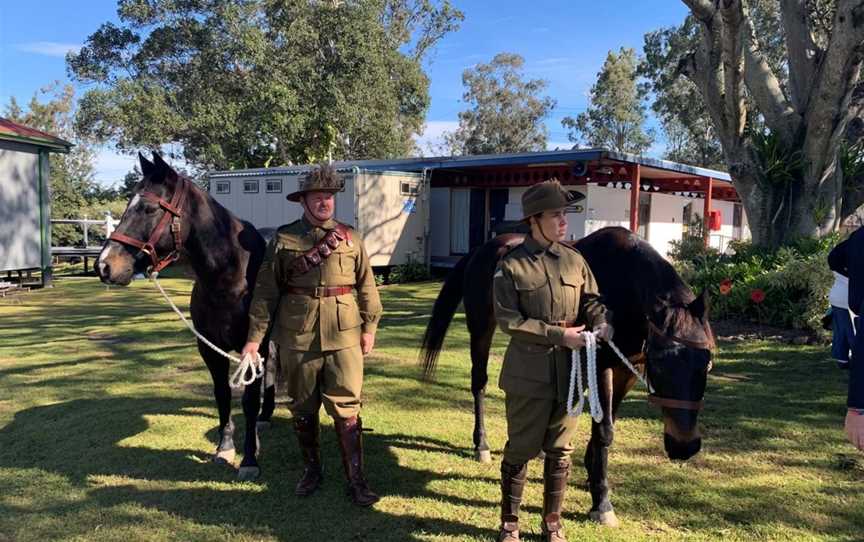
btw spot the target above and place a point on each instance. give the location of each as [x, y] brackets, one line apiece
[410, 271]
[794, 280]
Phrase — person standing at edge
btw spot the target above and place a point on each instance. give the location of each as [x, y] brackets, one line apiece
[848, 258]
[541, 288]
[311, 270]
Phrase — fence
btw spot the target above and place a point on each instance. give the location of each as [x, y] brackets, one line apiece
[86, 250]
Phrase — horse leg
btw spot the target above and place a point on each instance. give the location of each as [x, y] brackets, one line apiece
[249, 468]
[480, 345]
[268, 405]
[218, 367]
[612, 386]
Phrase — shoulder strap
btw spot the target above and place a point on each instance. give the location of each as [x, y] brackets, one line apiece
[316, 255]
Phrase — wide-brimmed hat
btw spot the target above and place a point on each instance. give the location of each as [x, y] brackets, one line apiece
[323, 178]
[546, 196]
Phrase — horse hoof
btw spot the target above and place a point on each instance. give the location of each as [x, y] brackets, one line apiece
[483, 456]
[247, 474]
[607, 519]
[224, 457]
[263, 426]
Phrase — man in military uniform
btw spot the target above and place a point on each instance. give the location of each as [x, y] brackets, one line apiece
[541, 289]
[311, 272]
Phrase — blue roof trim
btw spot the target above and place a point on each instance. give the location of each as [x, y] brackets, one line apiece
[485, 160]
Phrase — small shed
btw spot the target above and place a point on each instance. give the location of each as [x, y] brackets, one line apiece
[25, 238]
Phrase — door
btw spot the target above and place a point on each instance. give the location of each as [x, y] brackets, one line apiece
[477, 220]
[460, 211]
[498, 199]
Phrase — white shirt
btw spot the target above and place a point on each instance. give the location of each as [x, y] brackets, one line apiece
[839, 294]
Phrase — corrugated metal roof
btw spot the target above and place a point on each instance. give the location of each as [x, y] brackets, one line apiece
[487, 160]
[12, 131]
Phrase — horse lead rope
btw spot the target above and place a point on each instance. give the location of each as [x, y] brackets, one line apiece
[238, 379]
[594, 407]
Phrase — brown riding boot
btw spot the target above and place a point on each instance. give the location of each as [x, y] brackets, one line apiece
[555, 472]
[306, 429]
[350, 432]
[512, 484]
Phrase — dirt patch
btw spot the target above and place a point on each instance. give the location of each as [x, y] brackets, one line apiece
[736, 330]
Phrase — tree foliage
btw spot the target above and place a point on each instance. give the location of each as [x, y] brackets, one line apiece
[616, 116]
[250, 83]
[506, 111]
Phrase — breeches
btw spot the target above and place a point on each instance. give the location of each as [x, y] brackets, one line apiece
[534, 425]
[334, 378]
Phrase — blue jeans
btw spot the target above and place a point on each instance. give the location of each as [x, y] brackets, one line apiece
[844, 334]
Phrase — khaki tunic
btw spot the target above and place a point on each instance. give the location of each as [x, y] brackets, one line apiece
[318, 337]
[535, 289]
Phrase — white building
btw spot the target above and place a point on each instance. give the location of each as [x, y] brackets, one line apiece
[460, 202]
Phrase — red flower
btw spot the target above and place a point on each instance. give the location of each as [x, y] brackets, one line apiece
[725, 286]
[757, 296]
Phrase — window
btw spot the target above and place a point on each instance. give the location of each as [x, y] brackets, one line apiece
[409, 188]
[274, 186]
[223, 187]
[250, 187]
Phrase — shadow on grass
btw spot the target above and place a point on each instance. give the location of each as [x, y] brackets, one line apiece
[82, 440]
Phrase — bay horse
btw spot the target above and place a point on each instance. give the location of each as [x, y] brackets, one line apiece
[659, 324]
[167, 217]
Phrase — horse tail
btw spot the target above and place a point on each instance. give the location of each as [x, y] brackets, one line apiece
[442, 314]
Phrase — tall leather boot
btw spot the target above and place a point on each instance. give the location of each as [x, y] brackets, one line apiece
[306, 429]
[350, 432]
[555, 472]
[512, 483]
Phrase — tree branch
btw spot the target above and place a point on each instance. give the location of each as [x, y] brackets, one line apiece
[766, 91]
[732, 42]
[803, 53]
[704, 10]
[828, 110]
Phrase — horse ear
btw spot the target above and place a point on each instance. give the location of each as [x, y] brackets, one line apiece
[699, 306]
[147, 167]
[163, 167]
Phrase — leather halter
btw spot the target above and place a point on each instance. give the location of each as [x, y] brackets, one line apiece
[666, 401]
[173, 211]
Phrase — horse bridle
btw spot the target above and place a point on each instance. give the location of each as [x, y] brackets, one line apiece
[666, 401]
[173, 212]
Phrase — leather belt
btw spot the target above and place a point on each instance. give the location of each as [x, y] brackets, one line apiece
[320, 291]
[563, 323]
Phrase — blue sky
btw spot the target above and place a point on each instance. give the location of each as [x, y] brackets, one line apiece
[562, 42]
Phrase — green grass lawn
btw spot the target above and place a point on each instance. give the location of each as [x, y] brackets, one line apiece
[107, 424]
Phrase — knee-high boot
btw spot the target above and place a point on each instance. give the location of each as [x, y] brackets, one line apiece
[512, 483]
[306, 429]
[350, 432]
[555, 472]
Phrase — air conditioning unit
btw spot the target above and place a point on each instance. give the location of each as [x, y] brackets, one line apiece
[580, 169]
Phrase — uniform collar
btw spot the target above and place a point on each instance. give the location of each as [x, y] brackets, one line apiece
[535, 248]
[308, 227]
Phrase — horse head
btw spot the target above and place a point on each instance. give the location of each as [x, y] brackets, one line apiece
[151, 231]
[678, 357]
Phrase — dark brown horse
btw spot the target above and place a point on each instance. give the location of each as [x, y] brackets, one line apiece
[168, 216]
[659, 324]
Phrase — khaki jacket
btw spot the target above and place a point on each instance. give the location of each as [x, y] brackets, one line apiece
[309, 323]
[534, 288]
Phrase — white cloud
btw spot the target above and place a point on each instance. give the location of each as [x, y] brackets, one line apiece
[560, 145]
[433, 133]
[48, 48]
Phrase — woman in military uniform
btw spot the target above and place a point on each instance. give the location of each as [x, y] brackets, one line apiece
[311, 271]
[542, 288]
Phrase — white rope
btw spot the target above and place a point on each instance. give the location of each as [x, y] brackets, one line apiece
[249, 364]
[594, 407]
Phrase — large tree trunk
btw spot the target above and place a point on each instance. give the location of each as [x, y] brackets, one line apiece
[809, 117]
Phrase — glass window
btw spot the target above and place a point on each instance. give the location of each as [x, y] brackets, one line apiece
[250, 187]
[223, 187]
[274, 186]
